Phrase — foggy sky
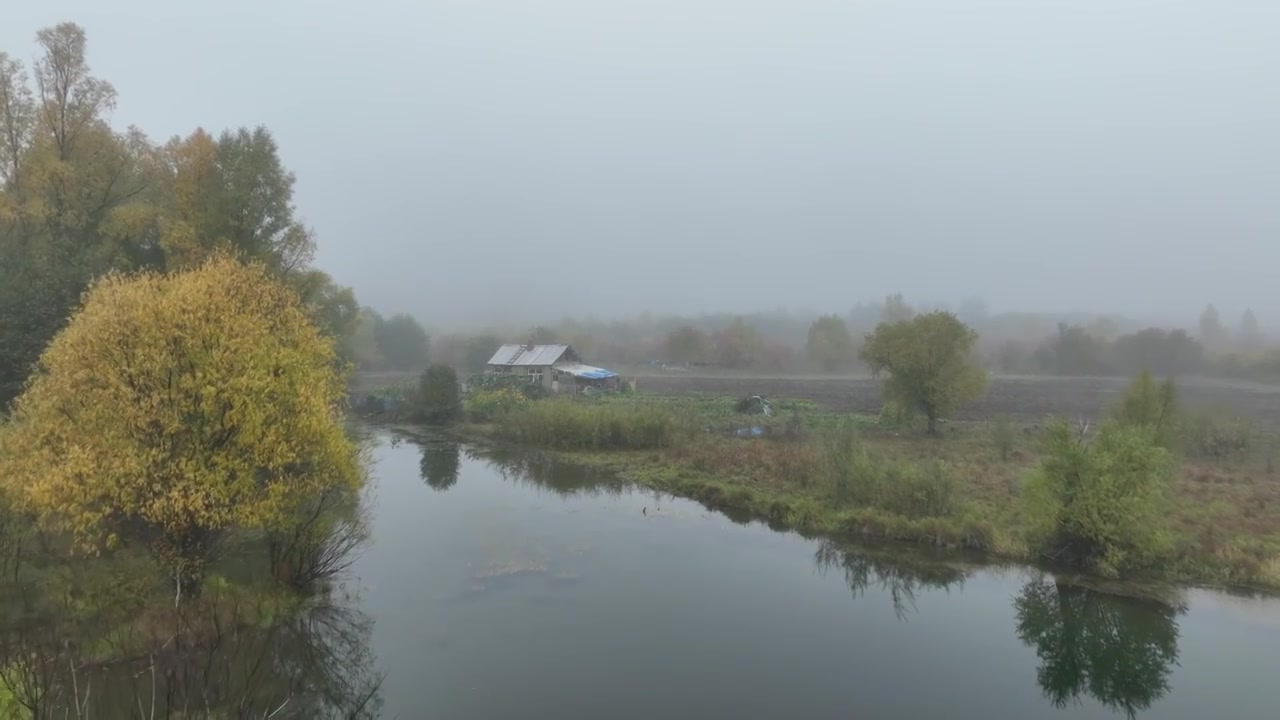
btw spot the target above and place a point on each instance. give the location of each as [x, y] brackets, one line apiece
[469, 160]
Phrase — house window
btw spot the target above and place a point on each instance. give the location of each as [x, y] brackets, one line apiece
[535, 376]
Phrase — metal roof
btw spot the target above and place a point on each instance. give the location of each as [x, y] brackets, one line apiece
[586, 371]
[537, 355]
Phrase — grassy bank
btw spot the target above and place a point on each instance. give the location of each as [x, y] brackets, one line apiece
[823, 473]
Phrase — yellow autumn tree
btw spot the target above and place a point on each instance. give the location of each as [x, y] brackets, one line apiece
[176, 407]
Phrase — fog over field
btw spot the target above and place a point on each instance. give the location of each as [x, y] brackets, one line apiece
[475, 162]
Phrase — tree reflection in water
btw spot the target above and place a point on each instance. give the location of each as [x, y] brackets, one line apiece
[543, 472]
[899, 574]
[97, 638]
[1118, 650]
[439, 464]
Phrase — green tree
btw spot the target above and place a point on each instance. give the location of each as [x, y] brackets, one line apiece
[1152, 405]
[439, 398]
[1118, 650]
[1212, 333]
[67, 184]
[402, 342]
[928, 361]
[363, 341]
[478, 350]
[1101, 504]
[687, 344]
[1156, 350]
[1073, 351]
[176, 407]
[830, 343]
[233, 194]
[79, 199]
[738, 345]
[896, 309]
[1250, 335]
[332, 307]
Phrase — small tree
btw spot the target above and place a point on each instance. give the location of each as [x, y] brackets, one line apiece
[738, 345]
[175, 407]
[1151, 405]
[1101, 504]
[927, 359]
[439, 399]
[830, 343]
[1250, 335]
[1212, 333]
[1073, 351]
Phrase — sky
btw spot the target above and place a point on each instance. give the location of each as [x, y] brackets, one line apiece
[475, 161]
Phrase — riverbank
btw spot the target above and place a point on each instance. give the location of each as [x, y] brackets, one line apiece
[962, 491]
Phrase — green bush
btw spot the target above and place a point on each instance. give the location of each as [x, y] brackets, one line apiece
[391, 401]
[895, 416]
[1216, 435]
[1151, 405]
[439, 400]
[1101, 504]
[490, 405]
[570, 424]
[518, 383]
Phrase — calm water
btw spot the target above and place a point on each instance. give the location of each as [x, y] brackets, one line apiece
[508, 588]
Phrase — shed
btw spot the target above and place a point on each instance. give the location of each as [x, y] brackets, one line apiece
[558, 368]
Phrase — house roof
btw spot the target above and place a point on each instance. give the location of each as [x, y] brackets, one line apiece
[537, 355]
[586, 371]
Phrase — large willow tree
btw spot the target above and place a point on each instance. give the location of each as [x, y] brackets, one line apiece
[176, 407]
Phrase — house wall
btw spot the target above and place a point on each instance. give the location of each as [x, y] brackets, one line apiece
[525, 371]
[565, 383]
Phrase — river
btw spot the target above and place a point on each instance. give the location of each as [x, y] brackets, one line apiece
[503, 586]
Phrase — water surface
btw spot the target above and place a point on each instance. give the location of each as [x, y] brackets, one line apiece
[503, 586]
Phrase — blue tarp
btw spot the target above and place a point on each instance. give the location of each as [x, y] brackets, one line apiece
[597, 374]
[589, 372]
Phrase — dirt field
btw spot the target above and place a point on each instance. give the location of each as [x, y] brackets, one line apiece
[1020, 398]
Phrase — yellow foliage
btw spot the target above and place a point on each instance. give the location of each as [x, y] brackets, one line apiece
[193, 231]
[177, 404]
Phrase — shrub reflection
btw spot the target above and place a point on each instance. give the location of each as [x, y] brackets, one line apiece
[1117, 650]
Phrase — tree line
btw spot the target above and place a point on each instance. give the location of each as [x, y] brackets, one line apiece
[176, 478]
[782, 342]
[80, 199]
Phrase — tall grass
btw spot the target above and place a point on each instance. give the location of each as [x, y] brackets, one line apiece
[566, 424]
[854, 476]
[1004, 436]
[1216, 434]
[920, 491]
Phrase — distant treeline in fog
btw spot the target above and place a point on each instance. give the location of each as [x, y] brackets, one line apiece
[787, 342]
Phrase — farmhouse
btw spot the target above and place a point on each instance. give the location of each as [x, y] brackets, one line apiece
[556, 367]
